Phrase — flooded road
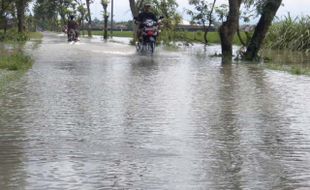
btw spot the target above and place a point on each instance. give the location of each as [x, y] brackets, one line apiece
[95, 115]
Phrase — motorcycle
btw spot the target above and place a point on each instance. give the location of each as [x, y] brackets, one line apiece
[149, 33]
[72, 36]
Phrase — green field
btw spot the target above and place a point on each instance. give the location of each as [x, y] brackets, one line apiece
[195, 37]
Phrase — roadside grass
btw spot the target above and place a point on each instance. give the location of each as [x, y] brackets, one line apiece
[294, 62]
[12, 36]
[296, 69]
[35, 35]
[15, 61]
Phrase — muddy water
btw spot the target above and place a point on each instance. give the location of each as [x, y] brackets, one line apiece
[95, 115]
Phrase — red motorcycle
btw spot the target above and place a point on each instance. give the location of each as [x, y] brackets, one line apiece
[150, 32]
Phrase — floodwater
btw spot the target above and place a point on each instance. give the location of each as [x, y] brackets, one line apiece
[95, 115]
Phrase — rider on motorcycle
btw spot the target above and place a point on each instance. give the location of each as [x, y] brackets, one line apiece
[145, 14]
[73, 25]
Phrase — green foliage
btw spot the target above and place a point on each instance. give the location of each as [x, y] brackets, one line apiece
[167, 9]
[14, 36]
[127, 34]
[35, 35]
[290, 33]
[15, 61]
[47, 12]
[203, 11]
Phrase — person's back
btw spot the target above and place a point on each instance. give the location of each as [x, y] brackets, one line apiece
[73, 25]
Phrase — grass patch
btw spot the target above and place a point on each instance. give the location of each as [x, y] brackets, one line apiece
[290, 33]
[13, 36]
[35, 35]
[15, 61]
[293, 69]
[294, 62]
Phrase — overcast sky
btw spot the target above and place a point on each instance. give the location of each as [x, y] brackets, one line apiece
[122, 10]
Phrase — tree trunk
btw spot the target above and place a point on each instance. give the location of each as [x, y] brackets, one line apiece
[240, 38]
[206, 29]
[228, 29]
[134, 11]
[2, 17]
[205, 36]
[89, 18]
[105, 32]
[20, 8]
[269, 11]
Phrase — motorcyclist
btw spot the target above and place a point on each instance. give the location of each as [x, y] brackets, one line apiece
[73, 25]
[144, 15]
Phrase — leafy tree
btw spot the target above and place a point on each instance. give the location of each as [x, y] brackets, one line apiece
[6, 9]
[203, 14]
[82, 11]
[64, 9]
[45, 13]
[21, 6]
[167, 9]
[265, 8]
[221, 12]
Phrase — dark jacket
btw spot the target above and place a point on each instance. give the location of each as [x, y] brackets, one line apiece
[144, 15]
[73, 25]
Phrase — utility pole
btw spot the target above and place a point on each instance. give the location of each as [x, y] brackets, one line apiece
[112, 10]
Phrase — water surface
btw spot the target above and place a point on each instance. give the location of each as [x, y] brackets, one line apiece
[95, 115]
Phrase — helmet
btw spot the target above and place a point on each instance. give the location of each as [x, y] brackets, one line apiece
[147, 4]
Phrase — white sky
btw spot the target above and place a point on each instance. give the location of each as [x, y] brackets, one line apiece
[122, 10]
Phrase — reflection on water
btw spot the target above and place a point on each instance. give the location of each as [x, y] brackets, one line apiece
[86, 118]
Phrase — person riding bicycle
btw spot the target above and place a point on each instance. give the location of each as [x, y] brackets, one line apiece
[73, 25]
[144, 15]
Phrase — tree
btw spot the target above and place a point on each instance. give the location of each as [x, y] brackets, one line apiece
[222, 12]
[6, 9]
[45, 13]
[82, 13]
[88, 2]
[135, 7]
[229, 28]
[269, 10]
[167, 9]
[63, 9]
[21, 6]
[203, 14]
[104, 4]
